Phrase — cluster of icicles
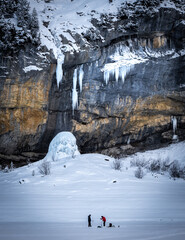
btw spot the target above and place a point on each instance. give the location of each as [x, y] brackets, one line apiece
[77, 75]
[122, 59]
[125, 58]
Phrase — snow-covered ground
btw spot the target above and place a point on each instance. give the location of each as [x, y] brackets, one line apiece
[56, 206]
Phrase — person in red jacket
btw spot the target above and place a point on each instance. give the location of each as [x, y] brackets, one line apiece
[103, 220]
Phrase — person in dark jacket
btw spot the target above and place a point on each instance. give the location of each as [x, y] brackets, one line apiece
[103, 220]
[89, 221]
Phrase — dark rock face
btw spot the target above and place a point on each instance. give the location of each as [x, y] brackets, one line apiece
[24, 104]
[137, 109]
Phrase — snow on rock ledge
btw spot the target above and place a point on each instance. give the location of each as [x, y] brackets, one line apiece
[31, 68]
[63, 145]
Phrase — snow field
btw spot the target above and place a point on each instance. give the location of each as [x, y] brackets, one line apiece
[58, 231]
[57, 205]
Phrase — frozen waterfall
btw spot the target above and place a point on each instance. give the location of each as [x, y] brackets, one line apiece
[81, 75]
[174, 122]
[59, 71]
[78, 75]
[74, 91]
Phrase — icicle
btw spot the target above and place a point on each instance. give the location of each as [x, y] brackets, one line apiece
[59, 71]
[112, 72]
[81, 75]
[74, 99]
[106, 76]
[123, 71]
[174, 121]
[116, 71]
[74, 92]
[128, 140]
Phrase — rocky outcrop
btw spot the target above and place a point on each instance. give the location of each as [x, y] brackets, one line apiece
[131, 108]
[24, 104]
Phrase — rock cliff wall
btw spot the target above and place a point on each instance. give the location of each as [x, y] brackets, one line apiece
[133, 86]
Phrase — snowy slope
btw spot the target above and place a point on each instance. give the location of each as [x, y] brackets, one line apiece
[68, 17]
[61, 201]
